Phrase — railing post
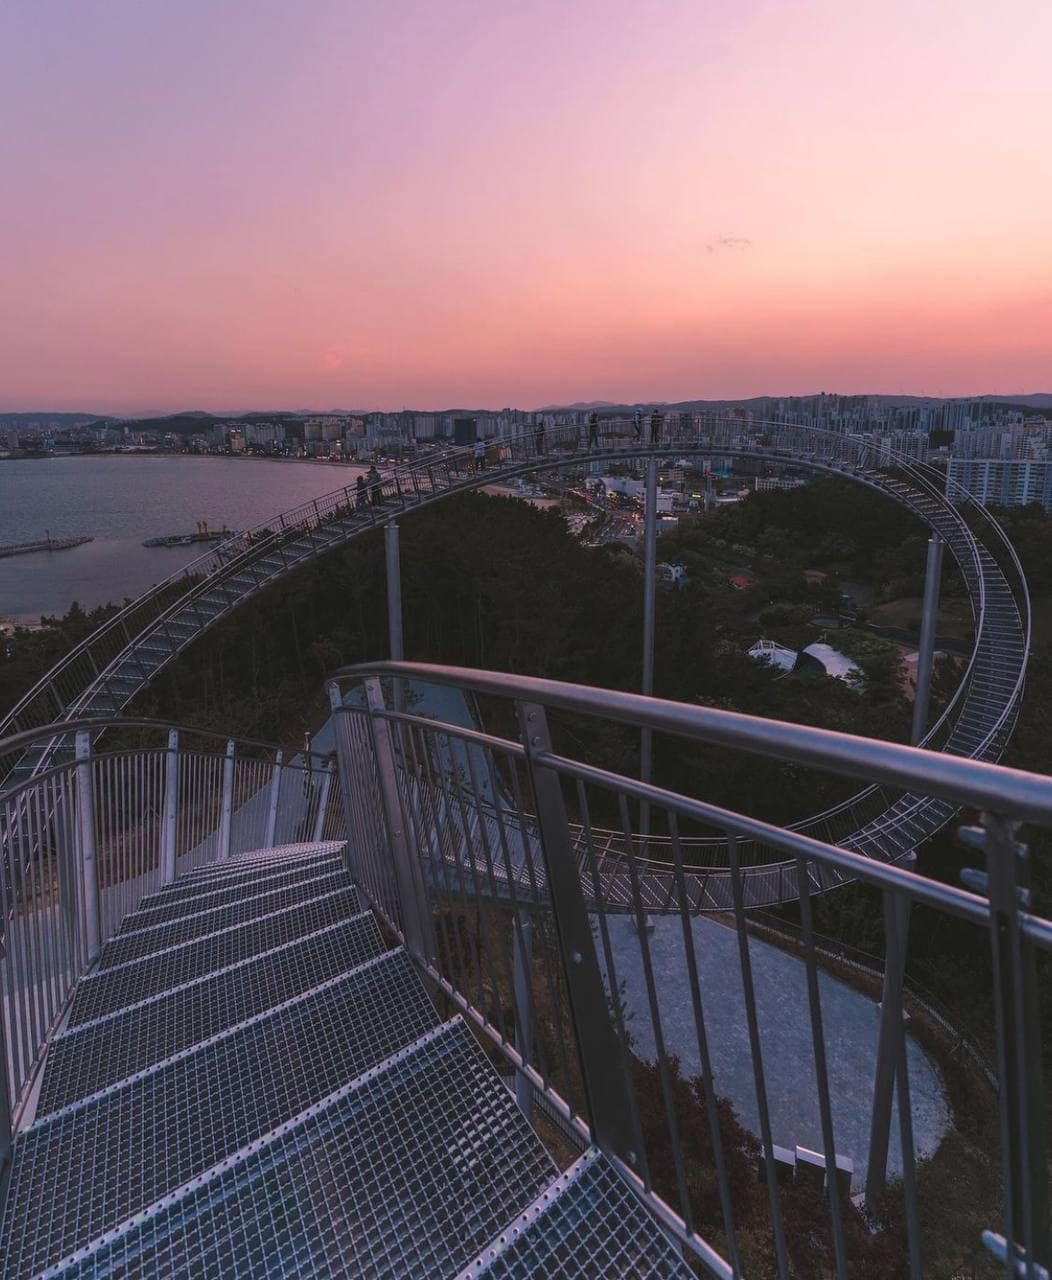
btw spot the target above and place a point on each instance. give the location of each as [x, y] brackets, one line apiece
[394, 602]
[171, 807]
[896, 933]
[414, 906]
[87, 868]
[926, 648]
[646, 735]
[226, 816]
[5, 1086]
[272, 803]
[603, 1068]
[1021, 1101]
[323, 802]
[521, 958]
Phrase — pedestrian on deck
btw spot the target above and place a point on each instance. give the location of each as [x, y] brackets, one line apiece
[593, 430]
[480, 455]
[361, 493]
[656, 420]
[372, 479]
[637, 426]
[540, 436]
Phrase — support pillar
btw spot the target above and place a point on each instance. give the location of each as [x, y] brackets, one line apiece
[227, 813]
[521, 958]
[394, 602]
[646, 739]
[272, 801]
[87, 866]
[171, 807]
[926, 650]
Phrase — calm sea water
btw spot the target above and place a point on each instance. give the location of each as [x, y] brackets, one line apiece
[120, 501]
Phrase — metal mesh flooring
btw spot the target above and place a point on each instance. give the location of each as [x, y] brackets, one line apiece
[163, 908]
[100, 1162]
[115, 988]
[588, 1226]
[83, 1060]
[134, 943]
[407, 1172]
[191, 888]
[285, 853]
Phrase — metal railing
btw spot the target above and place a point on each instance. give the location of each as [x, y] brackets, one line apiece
[477, 849]
[81, 843]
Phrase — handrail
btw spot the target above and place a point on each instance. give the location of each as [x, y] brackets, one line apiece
[17, 741]
[1027, 796]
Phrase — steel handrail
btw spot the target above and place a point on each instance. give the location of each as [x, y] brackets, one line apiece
[976, 783]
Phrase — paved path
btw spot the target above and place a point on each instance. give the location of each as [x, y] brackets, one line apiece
[850, 1020]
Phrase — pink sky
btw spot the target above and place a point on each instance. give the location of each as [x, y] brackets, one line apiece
[376, 203]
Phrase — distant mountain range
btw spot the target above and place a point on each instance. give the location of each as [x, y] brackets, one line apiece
[189, 421]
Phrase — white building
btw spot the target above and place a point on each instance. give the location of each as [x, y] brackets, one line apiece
[1002, 482]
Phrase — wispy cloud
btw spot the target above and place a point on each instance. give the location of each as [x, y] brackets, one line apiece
[736, 244]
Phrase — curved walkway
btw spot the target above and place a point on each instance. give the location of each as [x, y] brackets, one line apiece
[103, 674]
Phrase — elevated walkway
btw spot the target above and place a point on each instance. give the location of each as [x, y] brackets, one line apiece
[249, 1082]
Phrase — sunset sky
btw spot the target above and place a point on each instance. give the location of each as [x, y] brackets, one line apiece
[235, 204]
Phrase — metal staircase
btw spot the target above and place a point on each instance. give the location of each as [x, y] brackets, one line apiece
[250, 1083]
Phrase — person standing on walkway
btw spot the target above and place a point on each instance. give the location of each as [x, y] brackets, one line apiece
[360, 494]
[540, 436]
[637, 425]
[480, 455]
[376, 491]
[656, 420]
[593, 430]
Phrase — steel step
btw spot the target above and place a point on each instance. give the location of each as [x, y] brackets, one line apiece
[161, 908]
[101, 1160]
[407, 1171]
[84, 1059]
[114, 989]
[586, 1225]
[138, 942]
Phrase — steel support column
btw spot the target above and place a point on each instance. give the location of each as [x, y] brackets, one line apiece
[227, 813]
[521, 960]
[272, 800]
[926, 649]
[87, 868]
[394, 602]
[646, 737]
[171, 807]
[889, 1034]
[610, 1104]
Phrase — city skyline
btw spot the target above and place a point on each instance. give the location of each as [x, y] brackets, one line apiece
[383, 205]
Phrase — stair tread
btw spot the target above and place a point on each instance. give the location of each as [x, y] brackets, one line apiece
[82, 1060]
[114, 988]
[408, 1170]
[105, 1158]
[587, 1223]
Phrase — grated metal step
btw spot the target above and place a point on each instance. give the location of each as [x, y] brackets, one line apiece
[114, 989]
[189, 885]
[90, 1057]
[407, 1171]
[161, 909]
[137, 942]
[256, 860]
[586, 1226]
[101, 1160]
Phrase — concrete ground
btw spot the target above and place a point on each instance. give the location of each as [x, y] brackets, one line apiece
[850, 1020]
